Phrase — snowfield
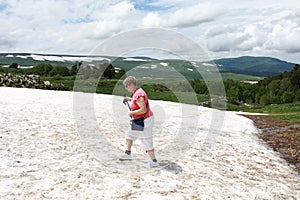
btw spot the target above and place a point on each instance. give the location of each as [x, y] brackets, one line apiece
[67, 58]
[45, 154]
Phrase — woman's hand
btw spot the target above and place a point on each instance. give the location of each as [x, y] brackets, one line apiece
[130, 113]
[127, 98]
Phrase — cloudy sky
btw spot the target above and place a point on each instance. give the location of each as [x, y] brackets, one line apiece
[227, 28]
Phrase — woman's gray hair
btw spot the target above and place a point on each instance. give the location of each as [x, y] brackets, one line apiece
[130, 80]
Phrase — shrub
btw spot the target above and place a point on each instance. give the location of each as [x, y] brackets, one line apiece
[264, 100]
[287, 97]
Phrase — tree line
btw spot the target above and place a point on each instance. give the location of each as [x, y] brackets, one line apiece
[105, 71]
[283, 88]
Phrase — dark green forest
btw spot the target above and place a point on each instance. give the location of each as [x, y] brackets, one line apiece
[279, 89]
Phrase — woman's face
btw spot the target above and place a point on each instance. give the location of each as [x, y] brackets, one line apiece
[129, 87]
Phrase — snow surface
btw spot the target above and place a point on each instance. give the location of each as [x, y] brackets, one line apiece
[164, 64]
[19, 56]
[153, 66]
[134, 59]
[208, 64]
[67, 58]
[44, 155]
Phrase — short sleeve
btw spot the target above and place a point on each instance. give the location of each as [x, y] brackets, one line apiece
[138, 94]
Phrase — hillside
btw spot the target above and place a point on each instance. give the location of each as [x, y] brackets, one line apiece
[256, 66]
[144, 66]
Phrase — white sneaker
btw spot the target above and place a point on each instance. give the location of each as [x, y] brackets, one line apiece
[125, 156]
[153, 164]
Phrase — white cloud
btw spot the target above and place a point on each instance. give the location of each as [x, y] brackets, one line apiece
[61, 26]
[226, 28]
[183, 17]
[225, 42]
[259, 31]
[103, 29]
[254, 39]
[234, 37]
[114, 11]
[221, 29]
[152, 20]
[195, 15]
[6, 42]
[285, 37]
[121, 9]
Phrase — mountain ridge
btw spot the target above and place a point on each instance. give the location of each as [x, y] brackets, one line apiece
[254, 65]
[260, 66]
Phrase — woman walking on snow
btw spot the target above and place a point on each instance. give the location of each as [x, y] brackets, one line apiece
[139, 107]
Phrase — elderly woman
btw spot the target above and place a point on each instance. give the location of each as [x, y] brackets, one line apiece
[139, 107]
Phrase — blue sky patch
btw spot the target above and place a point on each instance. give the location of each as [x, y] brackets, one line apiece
[78, 20]
[146, 6]
[3, 6]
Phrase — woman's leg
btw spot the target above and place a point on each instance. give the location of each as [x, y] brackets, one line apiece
[127, 154]
[129, 144]
[153, 162]
[151, 154]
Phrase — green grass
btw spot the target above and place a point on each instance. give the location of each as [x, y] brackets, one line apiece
[233, 107]
[170, 93]
[293, 117]
[289, 111]
[67, 81]
[282, 108]
[240, 77]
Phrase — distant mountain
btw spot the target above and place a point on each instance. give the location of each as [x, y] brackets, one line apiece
[150, 67]
[143, 58]
[30, 59]
[255, 66]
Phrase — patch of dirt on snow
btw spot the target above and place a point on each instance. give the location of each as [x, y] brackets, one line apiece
[282, 135]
